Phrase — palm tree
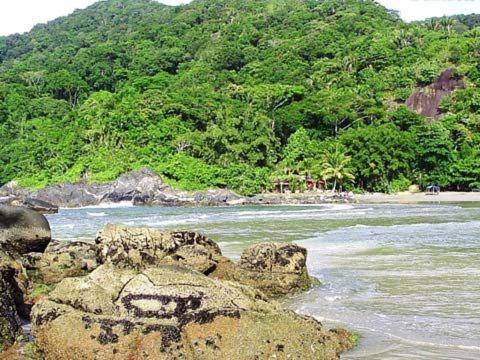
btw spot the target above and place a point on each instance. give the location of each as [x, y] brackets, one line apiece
[447, 24]
[336, 166]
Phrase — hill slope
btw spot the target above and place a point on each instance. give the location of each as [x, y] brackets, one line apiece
[233, 93]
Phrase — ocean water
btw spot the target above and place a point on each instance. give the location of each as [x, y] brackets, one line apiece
[405, 277]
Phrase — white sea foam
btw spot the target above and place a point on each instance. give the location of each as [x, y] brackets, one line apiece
[107, 205]
[229, 243]
[100, 214]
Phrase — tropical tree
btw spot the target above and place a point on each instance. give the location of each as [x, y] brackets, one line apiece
[335, 166]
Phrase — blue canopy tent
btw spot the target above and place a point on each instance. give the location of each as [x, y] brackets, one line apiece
[433, 190]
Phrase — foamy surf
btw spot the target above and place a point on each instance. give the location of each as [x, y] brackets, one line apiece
[100, 214]
[410, 271]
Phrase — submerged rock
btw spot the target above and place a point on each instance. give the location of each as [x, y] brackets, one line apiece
[23, 230]
[61, 260]
[130, 247]
[276, 269]
[170, 312]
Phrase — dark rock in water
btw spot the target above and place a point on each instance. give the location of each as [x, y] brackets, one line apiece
[138, 187]
[146, 188]
[72, 195]
[426, 101]
[40, 206]
[23, 230]
[277, 269]
[171, 313]
[11, 299]
[217, 197]
[130, 247]
[61, 260]
[142, 184]
[13, 190]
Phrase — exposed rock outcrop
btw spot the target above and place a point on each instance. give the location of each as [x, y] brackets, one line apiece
[59, 261]
[171, 313]
[276, 269]
[23, 230]
[136, 187]
[11, 299]
[218, 197]
[130, 247]
[40, 206]
[13, 195]
[426, 101]
[144, 188]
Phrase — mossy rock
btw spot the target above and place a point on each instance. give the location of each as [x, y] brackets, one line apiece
[171, 312]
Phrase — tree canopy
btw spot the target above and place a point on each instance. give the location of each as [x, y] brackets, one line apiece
[225, 93]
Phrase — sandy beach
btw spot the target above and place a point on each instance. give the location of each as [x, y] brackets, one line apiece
[407, 197]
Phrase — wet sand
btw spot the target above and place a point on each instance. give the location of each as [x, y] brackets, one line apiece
[408, 198]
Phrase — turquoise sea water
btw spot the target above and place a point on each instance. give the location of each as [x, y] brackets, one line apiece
[406, 277]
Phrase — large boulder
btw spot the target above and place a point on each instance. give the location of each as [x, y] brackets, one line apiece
[131, 247]
[23, 230]
[276, 269]
[136, 186]
[11, 298]
[170, 312]
[40, 206]
[217, 197]
[61, 260]
[73, 195]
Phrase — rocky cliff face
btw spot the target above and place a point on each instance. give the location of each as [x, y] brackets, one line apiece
[426, 101]
[142, 187]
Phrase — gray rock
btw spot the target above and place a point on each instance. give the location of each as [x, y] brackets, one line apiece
[23, 230]
[217, 197]
[61, 260]
[171, 313]
[11, 298]
[40, 206]
[131, 247]
[135, 186]
[72, 195]
[276, 269]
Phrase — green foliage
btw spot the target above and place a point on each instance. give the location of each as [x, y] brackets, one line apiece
[380, 155]
[336, 166]
[40, 289]
[401, 184]
[231, 93]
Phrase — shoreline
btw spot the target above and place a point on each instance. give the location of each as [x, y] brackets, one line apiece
[418, 198]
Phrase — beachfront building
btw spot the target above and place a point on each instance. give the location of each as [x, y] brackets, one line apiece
[300, 183]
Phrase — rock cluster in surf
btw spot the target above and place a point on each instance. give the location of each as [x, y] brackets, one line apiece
[141, 293]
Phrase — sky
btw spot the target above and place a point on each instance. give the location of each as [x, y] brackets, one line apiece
[18, 16]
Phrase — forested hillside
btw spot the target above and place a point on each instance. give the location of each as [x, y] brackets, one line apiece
[234, 93]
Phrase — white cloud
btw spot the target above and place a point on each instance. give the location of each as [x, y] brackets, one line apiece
[411, 10]
[22, 15]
